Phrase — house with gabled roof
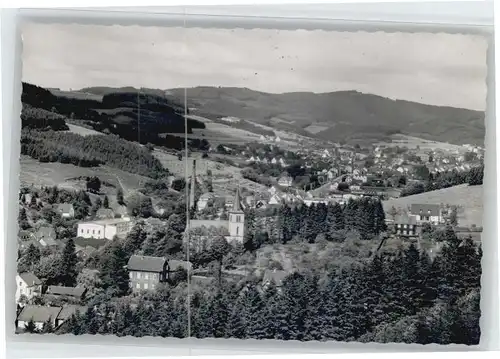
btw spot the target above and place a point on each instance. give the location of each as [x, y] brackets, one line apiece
[146, 272]
[46, 235]
[273, 276]
[105, 213]
[427, 213]
[28, 286]
[406, 226]
[285, 180]
[66, 210]
[67, 312]
[39, 315]
[76, 293]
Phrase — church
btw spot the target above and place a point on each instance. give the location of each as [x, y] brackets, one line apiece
[234, 226]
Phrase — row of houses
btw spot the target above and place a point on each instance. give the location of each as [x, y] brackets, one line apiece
[39, 315]
[29, 286]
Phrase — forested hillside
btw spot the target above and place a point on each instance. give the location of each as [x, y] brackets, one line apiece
[133, 115]
[90, 151]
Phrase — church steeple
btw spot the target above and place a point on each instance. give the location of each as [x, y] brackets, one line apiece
[237, 201]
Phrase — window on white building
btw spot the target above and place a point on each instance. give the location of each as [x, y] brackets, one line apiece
[88, 231]
[131, 275]
[93, 231]
[155, 276]
[138, 285]
[152, 286]
[145, 285]
[237, 230]
[146, 276]
[138, 275]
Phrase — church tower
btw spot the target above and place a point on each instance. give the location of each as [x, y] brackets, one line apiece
[237, 219]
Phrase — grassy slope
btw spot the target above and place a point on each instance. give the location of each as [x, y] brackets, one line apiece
[350, 114]
[225, 177]
[63, 175]
[469, 197]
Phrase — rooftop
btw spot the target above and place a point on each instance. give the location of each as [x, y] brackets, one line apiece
[69, 291]
[146, 263]
[403, 219]
[38, 314]
[275, 276]
[174, 264]
[432, 209]
[69, 310]
[65, 207]
[30, 279]
[207, 223]
[108, 222]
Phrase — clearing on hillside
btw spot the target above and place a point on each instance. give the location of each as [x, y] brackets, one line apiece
[423, 145]
[64, 175]
[470, 198]
[82, 130]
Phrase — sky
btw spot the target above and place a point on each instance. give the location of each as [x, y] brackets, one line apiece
[437, 69]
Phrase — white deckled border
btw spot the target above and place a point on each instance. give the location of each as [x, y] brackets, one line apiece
[108, 346]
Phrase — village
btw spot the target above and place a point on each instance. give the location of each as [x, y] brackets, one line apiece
[313, 178]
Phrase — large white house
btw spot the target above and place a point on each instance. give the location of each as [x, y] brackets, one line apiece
[105, 228]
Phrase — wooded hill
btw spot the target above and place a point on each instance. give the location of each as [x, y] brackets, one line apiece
[125, 112]
[340, 116]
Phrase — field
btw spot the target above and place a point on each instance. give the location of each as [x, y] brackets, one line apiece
[224, 177]
[424, 145]
[315, 128]
[77, 95]
[470, 198]
[65, 175]
[82, 130]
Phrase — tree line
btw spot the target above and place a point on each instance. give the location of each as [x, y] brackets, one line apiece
[38, 118]
[90, 151]
[301, 223]
[405, 297]
[440, 180]
[139, 116]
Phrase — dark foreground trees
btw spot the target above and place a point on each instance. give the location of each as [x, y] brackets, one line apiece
[401, 298]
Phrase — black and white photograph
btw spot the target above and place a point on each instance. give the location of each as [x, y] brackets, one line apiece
[304, 185]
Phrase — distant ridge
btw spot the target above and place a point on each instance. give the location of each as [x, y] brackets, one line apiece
[339, 116]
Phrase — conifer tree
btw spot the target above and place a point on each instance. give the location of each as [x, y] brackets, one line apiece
[68, 264]
[48, 327]
[105, 202]
[255, 315]
[30, 327]
[119, 197]
[236, 323]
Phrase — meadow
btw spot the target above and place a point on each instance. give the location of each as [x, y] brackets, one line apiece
[470, 198]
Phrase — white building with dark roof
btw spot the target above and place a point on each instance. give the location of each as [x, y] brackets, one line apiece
[39, 315]
[427, 213]
[105, 228]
